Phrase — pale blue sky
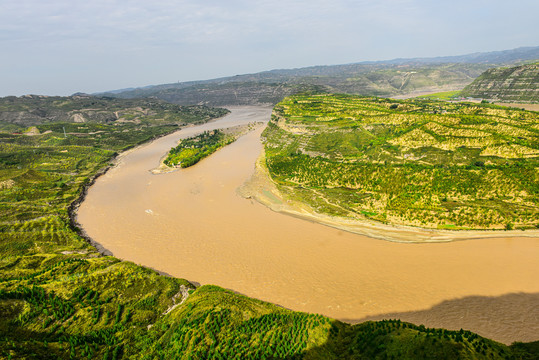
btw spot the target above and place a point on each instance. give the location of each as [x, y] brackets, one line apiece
[58, 47]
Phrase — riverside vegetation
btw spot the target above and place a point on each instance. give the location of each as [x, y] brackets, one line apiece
[193, 149]
[61, 299]
[411, 162]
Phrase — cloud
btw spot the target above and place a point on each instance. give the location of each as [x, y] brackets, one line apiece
[185, 21]
[151, 41]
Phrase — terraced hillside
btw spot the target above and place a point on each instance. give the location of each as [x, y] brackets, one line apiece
[61, 299]
[38, 109]
[413, 162]
[513, 84]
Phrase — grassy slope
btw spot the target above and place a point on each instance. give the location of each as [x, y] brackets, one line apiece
[60, 299]
[412, 162]
[445, 95]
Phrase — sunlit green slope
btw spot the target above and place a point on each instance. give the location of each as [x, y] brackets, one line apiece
[413, 162]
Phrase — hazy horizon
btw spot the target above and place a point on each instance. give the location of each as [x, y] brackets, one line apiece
[61, 47]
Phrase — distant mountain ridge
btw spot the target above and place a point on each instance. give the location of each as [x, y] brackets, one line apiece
[380, 78]
[492, 57]
[514, 84]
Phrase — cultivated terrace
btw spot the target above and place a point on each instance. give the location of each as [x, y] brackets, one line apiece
[423, 163]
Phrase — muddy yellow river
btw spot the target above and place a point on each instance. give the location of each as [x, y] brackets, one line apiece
[192, 224]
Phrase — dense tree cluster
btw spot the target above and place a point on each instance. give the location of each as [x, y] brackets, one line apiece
[191, 150]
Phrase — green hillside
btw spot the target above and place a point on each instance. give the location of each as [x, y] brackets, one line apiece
[412, 162]
[38, 110]
[61, 299]
[513, 84]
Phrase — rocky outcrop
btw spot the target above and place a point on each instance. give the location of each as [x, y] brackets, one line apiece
[514, 84]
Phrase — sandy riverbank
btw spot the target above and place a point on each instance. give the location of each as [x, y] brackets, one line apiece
[531, 107]
[261, 188]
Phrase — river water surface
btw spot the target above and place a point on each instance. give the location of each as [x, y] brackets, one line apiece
[192, 224]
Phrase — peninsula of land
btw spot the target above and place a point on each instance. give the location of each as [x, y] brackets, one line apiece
[421, 169]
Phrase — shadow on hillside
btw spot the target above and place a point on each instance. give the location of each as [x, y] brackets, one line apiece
[506, 318]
